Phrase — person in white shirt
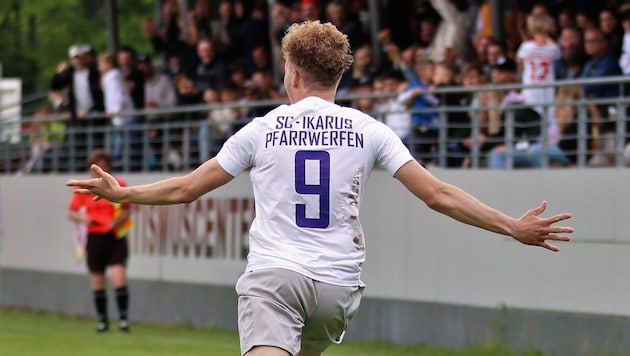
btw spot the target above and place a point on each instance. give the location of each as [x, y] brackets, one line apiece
[309, 163]
[536, 58]
[116, 97]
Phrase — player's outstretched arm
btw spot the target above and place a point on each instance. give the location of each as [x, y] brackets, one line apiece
[183, 189]
[530, 229]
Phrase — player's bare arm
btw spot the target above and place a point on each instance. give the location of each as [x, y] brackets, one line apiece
[530, 229]
[182, 189]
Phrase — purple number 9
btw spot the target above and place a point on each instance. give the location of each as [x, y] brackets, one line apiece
[322, 189]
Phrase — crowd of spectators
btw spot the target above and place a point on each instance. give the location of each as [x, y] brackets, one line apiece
[223, 52]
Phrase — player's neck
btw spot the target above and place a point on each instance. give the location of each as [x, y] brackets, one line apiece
[328, 95]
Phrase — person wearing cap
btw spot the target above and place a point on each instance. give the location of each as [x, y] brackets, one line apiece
[83, 84]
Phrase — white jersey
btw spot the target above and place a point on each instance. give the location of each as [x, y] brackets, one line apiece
[538, 67]
[309, 165]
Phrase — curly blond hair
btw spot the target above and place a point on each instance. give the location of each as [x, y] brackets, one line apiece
[320, 50]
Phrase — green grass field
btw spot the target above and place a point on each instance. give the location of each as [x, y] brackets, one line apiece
[31, 333]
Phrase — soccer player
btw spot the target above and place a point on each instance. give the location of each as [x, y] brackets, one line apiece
[309, 162]
[107, 227]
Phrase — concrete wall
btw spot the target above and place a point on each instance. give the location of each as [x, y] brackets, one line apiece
[429, 279]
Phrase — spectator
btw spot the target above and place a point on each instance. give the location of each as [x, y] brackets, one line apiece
[159, 93]
[497, 50]
[392, 111]
[601, 64]
[158, 87]
[82, 84]
[252, 32]
[566, 113]
[211, 71]
[223, 120]
[166, 34]
[418, 98]
[117, 100]
[281, 19]
[134, 81]
[536, 57]
[450, 42]
[472, 76]
[364, 68]
[584, 20]
[566, 19]
[337, 14]
[611, 27]
[127, 61]
[44, 136]
[309, 10]
[572, 55]
[539, 8]
[624, 59]
[363, 103]
[527, 150]
[258, 60]
[457, 122]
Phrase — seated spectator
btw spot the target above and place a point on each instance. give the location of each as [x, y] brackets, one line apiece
[258, 60]
[527, 150]
[600, 65]
[572, 55]
[457, 122]
[472, 76]
[363, 104]
[222, 120]
[497, 50]
[566, 114]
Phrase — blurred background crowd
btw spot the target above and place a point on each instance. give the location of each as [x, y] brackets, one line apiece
[225, 53]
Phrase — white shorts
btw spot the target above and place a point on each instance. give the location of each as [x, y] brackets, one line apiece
[285, 309]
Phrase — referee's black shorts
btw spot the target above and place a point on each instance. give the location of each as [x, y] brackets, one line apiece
[105, 250]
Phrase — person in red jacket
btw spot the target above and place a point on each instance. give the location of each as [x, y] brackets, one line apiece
[107, 227]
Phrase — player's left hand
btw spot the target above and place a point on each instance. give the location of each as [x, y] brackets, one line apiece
[535, 230]
[103, 186]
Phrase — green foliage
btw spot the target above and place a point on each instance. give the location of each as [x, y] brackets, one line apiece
[36, 34]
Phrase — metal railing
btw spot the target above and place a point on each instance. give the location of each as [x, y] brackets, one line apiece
[180, 138]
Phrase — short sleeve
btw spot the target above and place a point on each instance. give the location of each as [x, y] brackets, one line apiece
[391, 153]
[237, 153]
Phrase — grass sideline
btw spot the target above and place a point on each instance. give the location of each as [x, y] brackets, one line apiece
[37, 333]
